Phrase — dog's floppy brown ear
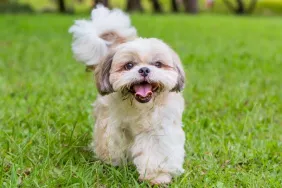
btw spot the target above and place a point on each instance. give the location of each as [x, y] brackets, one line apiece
[181, 74]
[102, 74]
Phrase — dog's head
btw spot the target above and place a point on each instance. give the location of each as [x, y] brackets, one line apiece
[141, 68]
[122, 62]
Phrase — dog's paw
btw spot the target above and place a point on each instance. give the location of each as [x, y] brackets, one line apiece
[161, 178]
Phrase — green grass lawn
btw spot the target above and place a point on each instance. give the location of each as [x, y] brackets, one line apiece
[232, 120]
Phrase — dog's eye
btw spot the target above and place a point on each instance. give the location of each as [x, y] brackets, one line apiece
[128, 66]
[158, 64]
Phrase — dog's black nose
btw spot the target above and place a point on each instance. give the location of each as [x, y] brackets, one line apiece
[144, 71]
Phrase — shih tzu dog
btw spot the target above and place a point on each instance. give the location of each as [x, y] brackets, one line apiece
[139, 109]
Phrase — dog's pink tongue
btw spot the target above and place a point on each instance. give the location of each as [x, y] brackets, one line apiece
[143, 90]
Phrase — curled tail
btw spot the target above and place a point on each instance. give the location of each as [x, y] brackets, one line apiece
[93, 38]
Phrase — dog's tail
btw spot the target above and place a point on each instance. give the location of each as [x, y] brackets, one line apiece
[93, 38]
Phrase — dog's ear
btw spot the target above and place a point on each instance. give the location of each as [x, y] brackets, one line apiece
[102, 75]
[181, 74]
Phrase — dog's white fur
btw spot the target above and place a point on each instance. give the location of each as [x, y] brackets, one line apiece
[148, 134]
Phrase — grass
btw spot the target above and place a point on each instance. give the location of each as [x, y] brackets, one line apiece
[232, 120]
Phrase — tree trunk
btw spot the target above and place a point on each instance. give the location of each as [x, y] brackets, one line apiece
[240, 8]
[134, 5]
[62, 6]
[191, 6]
[157, 6]
[174, 6]
[104, 2]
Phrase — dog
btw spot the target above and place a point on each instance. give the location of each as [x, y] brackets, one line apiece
[138, 112]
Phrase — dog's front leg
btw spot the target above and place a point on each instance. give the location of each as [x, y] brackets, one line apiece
[159, 156]
[110, 144]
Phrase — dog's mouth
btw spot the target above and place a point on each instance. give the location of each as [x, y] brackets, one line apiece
[143, 91]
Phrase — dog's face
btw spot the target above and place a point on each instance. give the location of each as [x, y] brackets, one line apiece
[141, 68]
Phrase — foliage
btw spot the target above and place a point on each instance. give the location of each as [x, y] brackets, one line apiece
[274, 6]
[232, 119]
[17, 8]
[269, 6]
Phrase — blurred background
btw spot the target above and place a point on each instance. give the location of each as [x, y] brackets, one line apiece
[239, 7]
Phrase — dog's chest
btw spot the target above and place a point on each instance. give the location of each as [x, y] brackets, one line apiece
[137, 118]
[137, 121]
